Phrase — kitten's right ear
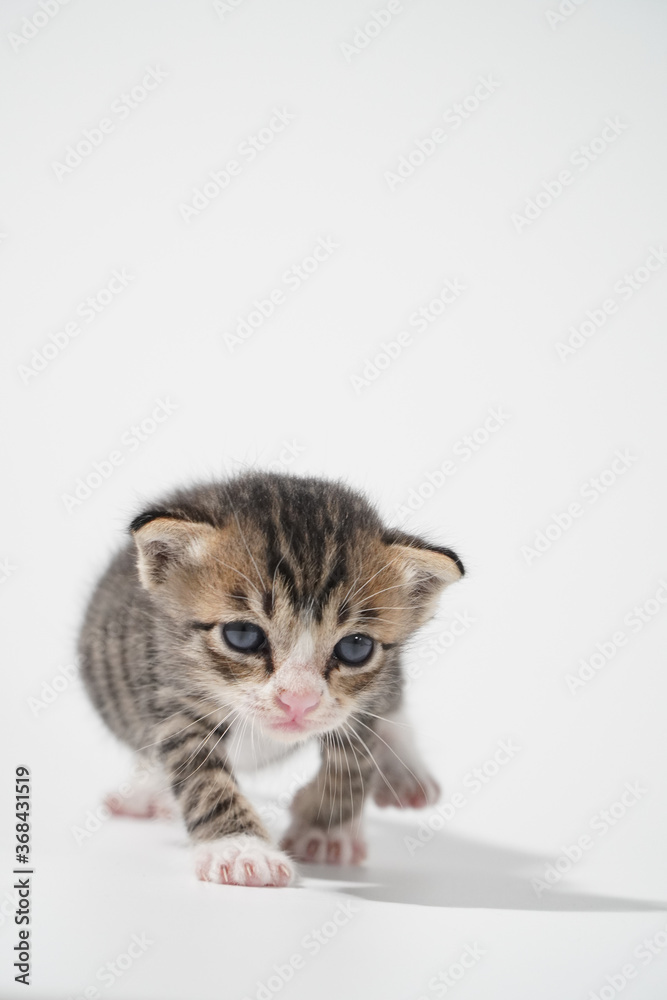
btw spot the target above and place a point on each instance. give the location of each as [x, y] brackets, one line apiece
[426, 569]
[165, 543]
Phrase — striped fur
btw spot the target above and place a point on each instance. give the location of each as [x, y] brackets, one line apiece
[308, 561]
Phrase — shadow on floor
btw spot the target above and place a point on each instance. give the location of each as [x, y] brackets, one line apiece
[453, 871]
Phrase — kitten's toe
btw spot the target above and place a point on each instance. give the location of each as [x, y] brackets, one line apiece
[242, 860]
[338, 846]
[407, 791]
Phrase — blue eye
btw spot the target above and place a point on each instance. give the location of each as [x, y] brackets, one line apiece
[243, 636]
[354, 649]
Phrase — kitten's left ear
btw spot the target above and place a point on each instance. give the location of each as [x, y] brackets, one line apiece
[167, 543]
[427, 569]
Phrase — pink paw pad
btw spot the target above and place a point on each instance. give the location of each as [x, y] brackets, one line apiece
[407, 791]
[338, 846]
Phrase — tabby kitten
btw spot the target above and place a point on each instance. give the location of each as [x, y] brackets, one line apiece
[275, 605]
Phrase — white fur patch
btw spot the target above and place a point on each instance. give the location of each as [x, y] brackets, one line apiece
[299, 670]
[303, 650]
[250, 747]
[243, 860]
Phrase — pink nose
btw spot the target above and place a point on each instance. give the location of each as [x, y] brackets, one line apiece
[296, 705]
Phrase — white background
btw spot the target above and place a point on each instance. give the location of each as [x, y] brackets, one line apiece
[536, 615]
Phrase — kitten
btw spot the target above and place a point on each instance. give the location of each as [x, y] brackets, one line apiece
[273, 603]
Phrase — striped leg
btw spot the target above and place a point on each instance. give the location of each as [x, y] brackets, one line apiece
[407, 782]
[327, 813]
[231, 844]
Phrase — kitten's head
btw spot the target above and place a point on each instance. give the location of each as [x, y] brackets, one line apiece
[290, 593]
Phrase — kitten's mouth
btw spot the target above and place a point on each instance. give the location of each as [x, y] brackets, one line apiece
[294, 726]
[292, 729]
[290, 726]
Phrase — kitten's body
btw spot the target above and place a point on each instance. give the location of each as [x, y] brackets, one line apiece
[306, 569]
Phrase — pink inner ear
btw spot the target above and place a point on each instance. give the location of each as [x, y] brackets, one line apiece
[164, 543]
[427, 567]
[158, 557]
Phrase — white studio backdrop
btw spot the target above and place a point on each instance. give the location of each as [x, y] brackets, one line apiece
[420, 245]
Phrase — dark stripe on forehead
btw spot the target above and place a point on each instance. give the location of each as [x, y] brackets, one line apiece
[276, 560]
[309, 527]
[289, 579]
[336, 576]
[307, 523]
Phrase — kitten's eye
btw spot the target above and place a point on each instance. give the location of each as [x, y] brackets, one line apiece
[354, 649]
[244, 636]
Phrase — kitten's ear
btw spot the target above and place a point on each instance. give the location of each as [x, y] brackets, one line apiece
[165, 543]
[427, 569]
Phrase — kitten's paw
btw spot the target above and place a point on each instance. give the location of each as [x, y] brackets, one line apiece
[142, 803]
[338, 846]
[242, 860]
[408, 790]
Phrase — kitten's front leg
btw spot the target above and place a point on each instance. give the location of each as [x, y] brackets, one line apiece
[327, 813]
[231, 845]
[402, 779]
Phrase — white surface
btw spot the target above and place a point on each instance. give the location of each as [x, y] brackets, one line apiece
[504, 677]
